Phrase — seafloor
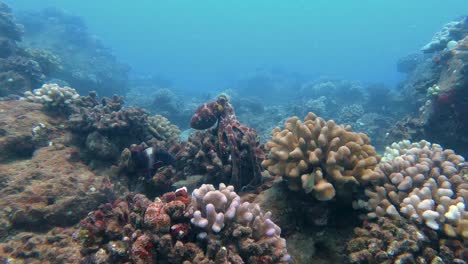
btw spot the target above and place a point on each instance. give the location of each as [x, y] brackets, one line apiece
[229, 179]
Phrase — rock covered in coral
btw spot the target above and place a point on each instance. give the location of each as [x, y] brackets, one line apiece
[164, 128]
[350, 113]
[408, 63]
[338, 92]
[49, 61]
[443, 115]
[51, 189]
[388, 241]
[8, 27]
[53, 96]
[24, 128]
[55, 246]
[86, 63]
[140, 231]
[425, 184]
[448, 36]
[20, 70]
[321, 157]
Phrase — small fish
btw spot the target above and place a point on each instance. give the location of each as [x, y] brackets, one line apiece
[151, 159]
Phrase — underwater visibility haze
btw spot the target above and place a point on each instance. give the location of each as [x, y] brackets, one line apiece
[233, 131]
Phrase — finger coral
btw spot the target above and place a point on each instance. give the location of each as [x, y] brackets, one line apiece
[425, 184]
[170, 230]
[320, 157]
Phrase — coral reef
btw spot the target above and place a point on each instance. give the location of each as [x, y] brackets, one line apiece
[24, 128]
[436, 95]
[85, 63]
[162, 101]
[350, 113]
[321, 157]
[8, 27]
[397, 241]
[41, 181]
[235, 142]
[408, 63]
[177, 229]
[315, 230]
[22, 68]
[340, 92]
[20, 74]
[55, 246]
[447, 38]
[164, 128]
[425, 184]
[48, 190]
[276, 82]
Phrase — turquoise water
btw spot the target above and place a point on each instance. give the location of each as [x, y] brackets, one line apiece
[209, 44]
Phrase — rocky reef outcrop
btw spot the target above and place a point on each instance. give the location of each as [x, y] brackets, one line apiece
[438, 90]
[211, 226]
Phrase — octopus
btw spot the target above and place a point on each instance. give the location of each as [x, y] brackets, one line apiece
[238, 141]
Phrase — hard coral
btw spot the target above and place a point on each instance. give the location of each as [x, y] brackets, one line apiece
[138, 230]
[425, 184]
[54, 97]
[164, 128]
[387, 241]
[321, 157]
[55, 246]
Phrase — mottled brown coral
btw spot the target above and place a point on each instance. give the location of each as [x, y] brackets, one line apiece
[397, 241]
[321, 157]
[136, 230]
[159, 125]
[55, 246]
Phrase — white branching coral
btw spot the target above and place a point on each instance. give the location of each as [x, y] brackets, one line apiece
[425, 184]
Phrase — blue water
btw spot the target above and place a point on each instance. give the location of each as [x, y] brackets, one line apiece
[211, 43]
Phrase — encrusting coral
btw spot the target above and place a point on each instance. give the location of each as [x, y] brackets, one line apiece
[55, 246]
[320, 157]
[425, 184]
[164, 128]
[397, 241]
[211, 227]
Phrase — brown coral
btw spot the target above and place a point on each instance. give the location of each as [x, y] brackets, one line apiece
[161, 231]
[388, 241]
[159, 125]
[320, 156]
